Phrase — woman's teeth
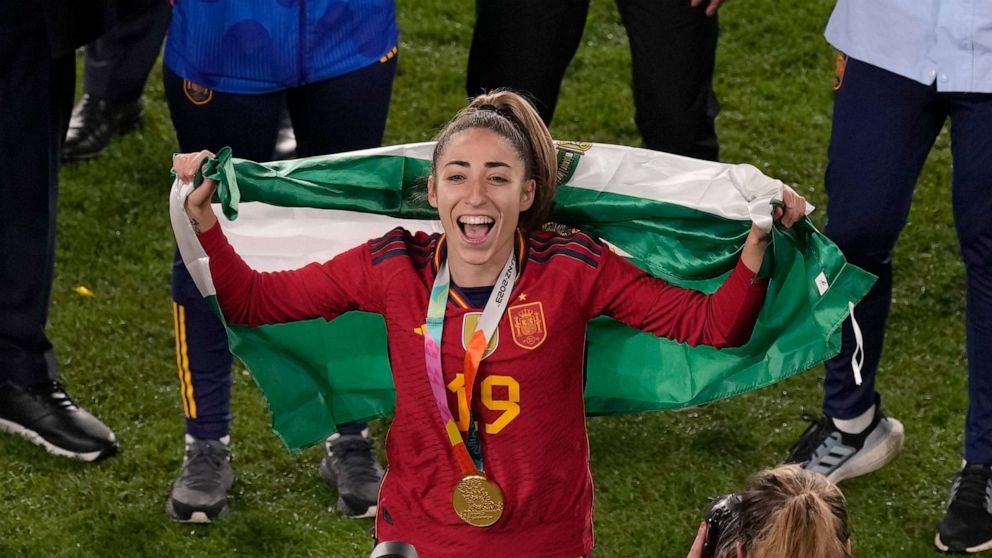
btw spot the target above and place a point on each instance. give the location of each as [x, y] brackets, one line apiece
[476, 227]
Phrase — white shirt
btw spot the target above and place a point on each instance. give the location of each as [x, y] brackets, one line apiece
[944, 41]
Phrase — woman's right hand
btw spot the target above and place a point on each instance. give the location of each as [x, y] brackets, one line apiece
[697, 545]
[198, 209]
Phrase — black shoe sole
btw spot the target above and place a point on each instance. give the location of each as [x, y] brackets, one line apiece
[38, 439]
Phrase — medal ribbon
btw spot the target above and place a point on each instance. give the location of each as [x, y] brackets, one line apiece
[484, 331]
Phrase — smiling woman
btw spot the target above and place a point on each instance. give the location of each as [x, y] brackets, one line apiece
[483, 323]
[481, 188]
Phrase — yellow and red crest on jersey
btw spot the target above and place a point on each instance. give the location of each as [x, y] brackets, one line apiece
[469, 322]
[527, 325]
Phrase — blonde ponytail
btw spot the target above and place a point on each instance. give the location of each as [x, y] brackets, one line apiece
[789, 512]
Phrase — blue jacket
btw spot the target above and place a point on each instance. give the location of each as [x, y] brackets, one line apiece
[260, 46]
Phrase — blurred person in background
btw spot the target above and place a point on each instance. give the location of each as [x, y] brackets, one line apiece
[115, 69]
[903, 69]
[230, 71]
[37, 79]
[527, 46]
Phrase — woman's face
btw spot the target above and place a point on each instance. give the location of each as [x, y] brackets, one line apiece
[479, 189]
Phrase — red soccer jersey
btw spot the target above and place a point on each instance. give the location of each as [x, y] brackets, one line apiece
[527, 401]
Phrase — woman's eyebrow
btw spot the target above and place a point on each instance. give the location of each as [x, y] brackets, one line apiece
[488, 165]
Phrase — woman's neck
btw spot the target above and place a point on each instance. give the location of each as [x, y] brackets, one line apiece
[470, 275]
[465, 274]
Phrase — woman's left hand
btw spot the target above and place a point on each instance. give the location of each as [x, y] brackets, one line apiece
[793, 209]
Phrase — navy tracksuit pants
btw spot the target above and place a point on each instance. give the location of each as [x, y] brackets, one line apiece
[883, 128]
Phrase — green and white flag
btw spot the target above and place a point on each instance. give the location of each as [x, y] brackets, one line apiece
[681, 219]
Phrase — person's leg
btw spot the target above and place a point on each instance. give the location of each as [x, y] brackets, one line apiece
[526, 46]
[32, 402]
[884, 126]
[971, 146]
[208, 119]
[344, 113]
[117, 65]
[340, 114]
[114, 75]
[967, 524]
[30, 125]
[205, 119]
[673, 52]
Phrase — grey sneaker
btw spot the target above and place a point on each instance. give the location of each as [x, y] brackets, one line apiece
[838, 455]
[352, 469]
[199, 494]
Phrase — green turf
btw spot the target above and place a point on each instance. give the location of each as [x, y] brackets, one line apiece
[653, 472]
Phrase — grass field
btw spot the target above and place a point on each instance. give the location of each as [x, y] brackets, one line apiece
[653, 472]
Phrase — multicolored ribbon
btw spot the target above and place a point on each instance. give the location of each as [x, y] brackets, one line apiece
[484, 331]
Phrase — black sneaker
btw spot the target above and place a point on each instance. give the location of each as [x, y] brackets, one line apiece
[199, 494]
[967, 525]
[94, 121]
[838, 455]
[353, 470]
[46, 415]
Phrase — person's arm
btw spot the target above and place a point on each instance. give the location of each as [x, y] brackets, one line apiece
[247, 296]
[254, 298]
[724, 318]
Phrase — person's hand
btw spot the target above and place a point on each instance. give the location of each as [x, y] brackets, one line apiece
[793, 209]
[697, 545]
[198, 209]
[711, 9]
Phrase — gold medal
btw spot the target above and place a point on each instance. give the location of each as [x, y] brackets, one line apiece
[477, 501]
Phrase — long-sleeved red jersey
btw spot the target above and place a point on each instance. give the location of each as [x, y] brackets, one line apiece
[527, 400]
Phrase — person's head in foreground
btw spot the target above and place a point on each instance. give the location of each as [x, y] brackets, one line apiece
[784, 512]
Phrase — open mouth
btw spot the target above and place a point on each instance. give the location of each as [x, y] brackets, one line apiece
[475, 228]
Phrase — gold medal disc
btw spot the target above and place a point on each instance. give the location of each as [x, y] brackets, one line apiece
[477, 501]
